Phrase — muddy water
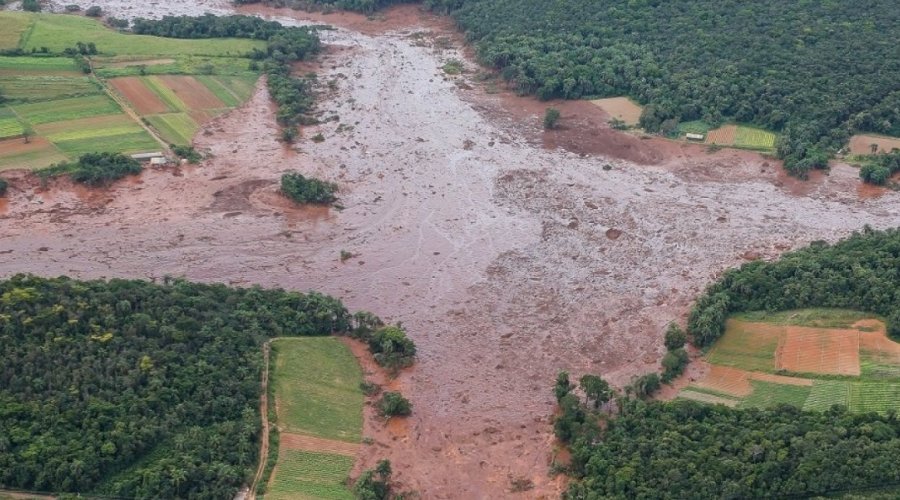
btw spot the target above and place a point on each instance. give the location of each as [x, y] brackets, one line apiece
[506, 256]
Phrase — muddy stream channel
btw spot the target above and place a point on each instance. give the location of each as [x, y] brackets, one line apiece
[507, 252]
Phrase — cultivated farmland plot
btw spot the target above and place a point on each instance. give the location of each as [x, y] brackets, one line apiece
[833, 357]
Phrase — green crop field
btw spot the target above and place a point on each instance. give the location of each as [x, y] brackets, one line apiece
[57, 32]
[317, 387]
[767, 394]
[14, 24]
[694, 127]
[231, 90]
[67, 109]
[873, 396]
[740, 347]
[40, 155]
[44, 65]
[826, 393]
[175, 128]
[303, 474]
[10, 127]
[115, 66]
[127, 143]
[815, 318]
[754, 138]
[164, 93]
[31, 88]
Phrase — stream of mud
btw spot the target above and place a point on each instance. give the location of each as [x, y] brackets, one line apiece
[507, 252]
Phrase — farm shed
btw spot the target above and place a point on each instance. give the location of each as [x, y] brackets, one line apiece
[695, 137]
[148, 156]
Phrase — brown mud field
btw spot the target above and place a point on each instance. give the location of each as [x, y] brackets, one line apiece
[509, 253]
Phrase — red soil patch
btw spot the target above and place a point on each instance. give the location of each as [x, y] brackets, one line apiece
[862, 144]
[194, 94]
[727, 380]
[18, 145]
[288, 441]
[723, 135]
[143, 99]
[817, 350]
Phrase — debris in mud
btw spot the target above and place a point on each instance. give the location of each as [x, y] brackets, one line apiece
[751, 255]
[613, 233]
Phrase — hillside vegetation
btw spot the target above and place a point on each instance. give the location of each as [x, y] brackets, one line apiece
[135, 389]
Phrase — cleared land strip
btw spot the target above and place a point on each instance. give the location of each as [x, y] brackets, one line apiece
[319, 445]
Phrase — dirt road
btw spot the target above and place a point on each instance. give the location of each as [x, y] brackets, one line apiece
[507, 253]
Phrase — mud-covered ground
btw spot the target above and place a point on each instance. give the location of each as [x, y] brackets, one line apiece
[507, 252]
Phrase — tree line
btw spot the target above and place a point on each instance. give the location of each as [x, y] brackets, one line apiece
[861, 272]
[141, 390]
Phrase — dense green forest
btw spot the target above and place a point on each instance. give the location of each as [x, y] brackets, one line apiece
[135, 389]
[814, 71]
[861, 273]
[687, 450]
[284, 45]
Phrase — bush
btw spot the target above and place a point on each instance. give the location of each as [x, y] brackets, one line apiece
[673, 364]
[31, 6]
[186, 152]
[73, 8]
[4, 185]
[95, 169]
[675, 337]
[307, 190]
[117, 23]
[392, 348]
[551, 116]
[374, 484]
[645, 385]
[393, 404]
[94, 11]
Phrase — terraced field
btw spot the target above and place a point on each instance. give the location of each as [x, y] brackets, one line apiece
[737, 136]
[812, 359]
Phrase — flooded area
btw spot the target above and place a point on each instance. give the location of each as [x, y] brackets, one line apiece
[508, 253]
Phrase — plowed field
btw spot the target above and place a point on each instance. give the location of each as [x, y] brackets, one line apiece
[142, 99]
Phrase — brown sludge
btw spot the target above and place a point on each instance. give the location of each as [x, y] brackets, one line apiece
[492, 240]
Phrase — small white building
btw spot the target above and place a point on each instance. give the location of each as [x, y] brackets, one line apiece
[695, 137]
[148, 156]
[158, 161]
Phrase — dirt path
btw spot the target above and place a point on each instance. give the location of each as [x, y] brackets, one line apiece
[264, 414]
[508, 254]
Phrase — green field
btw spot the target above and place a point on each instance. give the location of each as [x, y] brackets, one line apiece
[754, 138]
[33, 88]
[10, 127]
[39, 156]
[67, 109]
[173, 64]
[741, 348]
[303, 474]
[43, 64]
[317, 386]
[694, 127]
[232, 90]
[176, 128]
[58, 32]
[14, 24]
[750, 344]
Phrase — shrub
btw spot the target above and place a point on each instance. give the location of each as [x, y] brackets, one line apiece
[117, 23]
[551, 116]
[289, 134]
[374, 484]
[370, 389]
[94, 11]
[645, 385]
[31, 5]
[186, 152]
[95, 169]
[674, 363]
[4, 185]
[393, 404]
[307, 190]
[675, 337]
[392, 348]
[73, 8]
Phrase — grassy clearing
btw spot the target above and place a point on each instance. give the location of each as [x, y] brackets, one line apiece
[317, 387]
[694, 127]
[175, 128]
[814, 318]
[302, 474]
[233, 91]
[164, 93]
[60, 32]
[111, 67]
[39, 153]
[767, 394]
[14, 24]
[67, 109]
[754, 138]
[742, 347]
[53, 64]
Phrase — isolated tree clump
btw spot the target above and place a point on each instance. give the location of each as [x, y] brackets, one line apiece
[551, 117]
[392, 348]
[31, 5]
[675, 337]
[94, 11]
[393, 404]
[303, 189]
[4, 185]
[95, 169]
[374, 484]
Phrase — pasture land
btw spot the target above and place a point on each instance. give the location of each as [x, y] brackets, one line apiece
[861, 144]
[58, 32]
[622, 108]
[14, 25]
[741, 136]
[42, 66]
[319, 416]
[38, 152]
[10, 126]
[812, 359]
[175, 64]
[35, 88]
[60, 110]
[175, 128]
